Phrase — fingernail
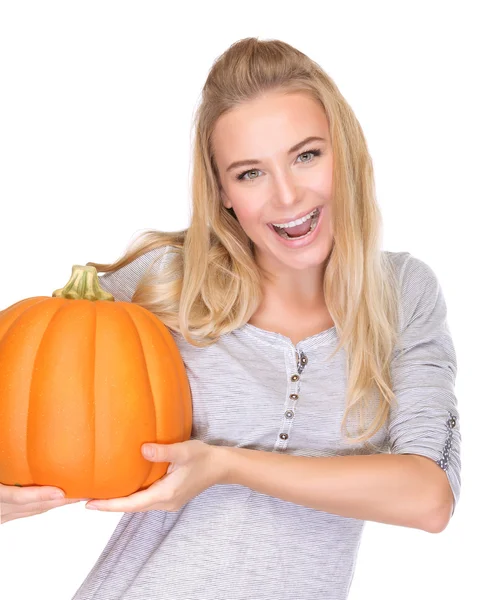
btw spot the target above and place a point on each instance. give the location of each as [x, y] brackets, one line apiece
[56, 495]
[148, 451]
[91, 507]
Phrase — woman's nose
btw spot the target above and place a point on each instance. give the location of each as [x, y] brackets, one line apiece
[285, 188]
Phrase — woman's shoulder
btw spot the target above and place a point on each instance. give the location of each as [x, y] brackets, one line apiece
[420, 291]
[411, 271]
[397, 259]
[123, 282]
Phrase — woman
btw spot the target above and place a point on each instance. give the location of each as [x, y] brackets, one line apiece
[321, 368]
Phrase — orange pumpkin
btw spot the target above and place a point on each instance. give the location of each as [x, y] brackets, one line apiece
[85, 381]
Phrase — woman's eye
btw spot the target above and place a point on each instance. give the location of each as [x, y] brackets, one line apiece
[314, 151]
[242, 176]
[304, 153]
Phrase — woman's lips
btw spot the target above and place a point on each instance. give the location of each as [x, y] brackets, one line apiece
[319, 208]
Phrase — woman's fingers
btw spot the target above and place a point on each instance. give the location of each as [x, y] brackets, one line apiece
[19, 502]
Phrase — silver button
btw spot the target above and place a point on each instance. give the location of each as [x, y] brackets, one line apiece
[284, 436]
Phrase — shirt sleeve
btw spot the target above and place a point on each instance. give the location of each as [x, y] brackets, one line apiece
[123, 282]
[425, 420]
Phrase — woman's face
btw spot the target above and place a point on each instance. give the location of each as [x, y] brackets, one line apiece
[288, 180]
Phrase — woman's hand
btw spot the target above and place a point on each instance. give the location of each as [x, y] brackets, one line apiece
[195, 466]
[18, 502]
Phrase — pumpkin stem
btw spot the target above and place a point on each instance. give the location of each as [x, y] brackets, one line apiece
[83, 285]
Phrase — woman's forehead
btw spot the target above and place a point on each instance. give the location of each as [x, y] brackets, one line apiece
[265, 126]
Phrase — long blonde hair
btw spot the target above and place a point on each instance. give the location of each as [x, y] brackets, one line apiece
[222, 289]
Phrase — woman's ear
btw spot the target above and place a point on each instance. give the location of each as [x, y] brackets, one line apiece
[224, 199]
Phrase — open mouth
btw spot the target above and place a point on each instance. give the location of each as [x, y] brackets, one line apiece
[299, 231]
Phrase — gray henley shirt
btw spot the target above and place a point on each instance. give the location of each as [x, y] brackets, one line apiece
[233, 543]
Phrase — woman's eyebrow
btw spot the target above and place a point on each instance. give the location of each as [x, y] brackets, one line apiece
[255, 161]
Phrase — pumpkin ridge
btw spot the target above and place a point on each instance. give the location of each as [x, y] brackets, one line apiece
[30, 386]
[24, 319]
[123, 307]
[21, 313]
[178, 378]
[93, 387]
[183, 381]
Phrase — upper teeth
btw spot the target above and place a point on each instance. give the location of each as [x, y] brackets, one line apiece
[297, 222]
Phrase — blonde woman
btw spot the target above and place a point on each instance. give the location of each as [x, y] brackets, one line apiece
[321, 367]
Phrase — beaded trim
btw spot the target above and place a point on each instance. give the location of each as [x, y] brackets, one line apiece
[443, 461]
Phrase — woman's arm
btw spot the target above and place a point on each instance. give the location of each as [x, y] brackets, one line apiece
[407, 490]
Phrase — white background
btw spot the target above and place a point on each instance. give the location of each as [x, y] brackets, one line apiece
[96, 107]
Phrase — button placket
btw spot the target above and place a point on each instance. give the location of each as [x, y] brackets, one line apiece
[287, 423]
[301, 361]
